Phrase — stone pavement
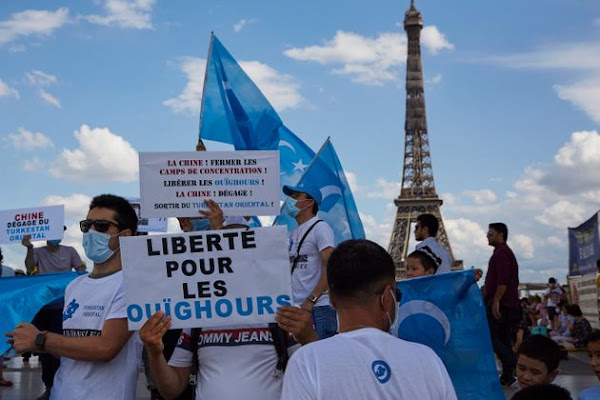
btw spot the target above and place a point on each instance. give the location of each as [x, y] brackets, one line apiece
[576, 374]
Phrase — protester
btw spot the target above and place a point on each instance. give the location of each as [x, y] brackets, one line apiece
[546, 391]
[364, 361]
[580, 329]
[5, 272]
[538, 358]
[426, 230]
[311, 244]
[99, 355]
[420, 263]
[502, 299]
[552, 297]
[593, 348]
[51, 258]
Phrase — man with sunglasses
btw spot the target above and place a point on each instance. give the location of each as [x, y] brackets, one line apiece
[99, 355]
[364, 361]
[311, 244]
[51, 258]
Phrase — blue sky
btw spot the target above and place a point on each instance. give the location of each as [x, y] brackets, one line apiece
[512, 95]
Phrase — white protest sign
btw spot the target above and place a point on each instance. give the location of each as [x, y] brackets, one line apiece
[207, 278]
[241, 182]
[42, 223]
[147, 224]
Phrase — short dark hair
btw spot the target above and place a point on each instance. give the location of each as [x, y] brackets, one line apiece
[500, 227]
[593, 337]
[574, 310]
[426, 260]
[124, 212]
[357, 269]
[552, 280]
[541, 348]
[546, 391]
[431, 222]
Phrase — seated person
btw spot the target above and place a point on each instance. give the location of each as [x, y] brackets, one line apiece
[420, 263]
[593, 348]
[537, 362]
[580, 330]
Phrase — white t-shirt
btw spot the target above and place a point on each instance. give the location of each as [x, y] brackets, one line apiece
[88, 304]
[439, 251]
[234, 363]
[308, 269]
[553, 294]
[366, 364]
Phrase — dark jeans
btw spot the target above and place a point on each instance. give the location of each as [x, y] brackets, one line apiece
[325, 319]
[49, 319]
[501, 332]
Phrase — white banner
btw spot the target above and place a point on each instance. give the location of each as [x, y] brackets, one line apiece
[207, 278]
[147, 224]
[42, 223]
[241, 182]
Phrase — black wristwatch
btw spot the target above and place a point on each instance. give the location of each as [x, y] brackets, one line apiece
[313, 298]
[40, 341]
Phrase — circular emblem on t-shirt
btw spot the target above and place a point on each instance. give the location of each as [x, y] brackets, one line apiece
[381, 370]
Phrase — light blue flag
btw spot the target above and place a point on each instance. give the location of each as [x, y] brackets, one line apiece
[22, 297]
[294, 158]
[337, 206]
[446, 313]
[233, 109]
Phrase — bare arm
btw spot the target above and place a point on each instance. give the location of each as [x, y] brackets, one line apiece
[92, 348]
[29, 259]
[322, 284]
[170, 381]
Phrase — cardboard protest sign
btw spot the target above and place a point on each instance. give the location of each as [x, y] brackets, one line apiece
[207, 278]
[147, 224]
[241, 182]
[42, 223]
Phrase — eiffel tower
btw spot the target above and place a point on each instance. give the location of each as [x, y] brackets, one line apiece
[417, 193]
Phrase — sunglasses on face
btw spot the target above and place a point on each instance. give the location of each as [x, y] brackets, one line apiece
[100, 225]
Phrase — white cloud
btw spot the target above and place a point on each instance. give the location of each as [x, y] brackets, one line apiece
[434, 40]
[34, 165]
[48, 98]
[125, 14]
[242, 24]
[573, 56]
[26, 140]
[584, 95]
[562, 214]
[468, 239]
[7, 91]
[369, 61]
[101, 156]
[437, 79]
[522, 246]
[40, 78]
[32, 22]
[484, 196]
[281, 90]
[383, 189]
[76, 205]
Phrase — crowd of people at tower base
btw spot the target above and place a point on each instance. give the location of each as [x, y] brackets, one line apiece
[332, 344]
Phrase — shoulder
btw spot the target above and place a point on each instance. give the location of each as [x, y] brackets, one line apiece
[590, 393]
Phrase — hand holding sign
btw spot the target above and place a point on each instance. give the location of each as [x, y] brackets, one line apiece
[153, 331]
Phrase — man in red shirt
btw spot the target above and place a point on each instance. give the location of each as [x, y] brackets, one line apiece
[502, 299]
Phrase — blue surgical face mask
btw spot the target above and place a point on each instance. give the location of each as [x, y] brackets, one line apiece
[201, 225]
[55, 242]
[291, 208]
[96, 247]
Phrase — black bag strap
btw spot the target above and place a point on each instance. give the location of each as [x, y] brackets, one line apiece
[195, 338]
[280, 341]
[297, 258]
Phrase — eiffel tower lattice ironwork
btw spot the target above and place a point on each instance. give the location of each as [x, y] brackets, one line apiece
[417, 193]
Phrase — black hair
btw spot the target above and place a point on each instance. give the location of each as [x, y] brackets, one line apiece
[541, 348]
[426, 260]
[431, 222]
[546, 391]
[1, 256]
[357, 269]
[124, 212]
[574, 310]
[552, 280]
[593, 337]
[500, 227]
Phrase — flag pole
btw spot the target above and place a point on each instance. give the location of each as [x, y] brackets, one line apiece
[306, 170]
[200, 146]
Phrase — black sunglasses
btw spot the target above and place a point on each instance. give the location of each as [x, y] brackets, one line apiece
[100, 225]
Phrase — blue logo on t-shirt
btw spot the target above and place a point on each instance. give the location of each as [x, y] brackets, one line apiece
[381, 370]
[70, 310]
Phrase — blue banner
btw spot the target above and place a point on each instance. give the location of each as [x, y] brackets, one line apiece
[446, 313]
[584, 247]
[22, 297]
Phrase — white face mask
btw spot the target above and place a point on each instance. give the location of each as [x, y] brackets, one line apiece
[393, 329]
